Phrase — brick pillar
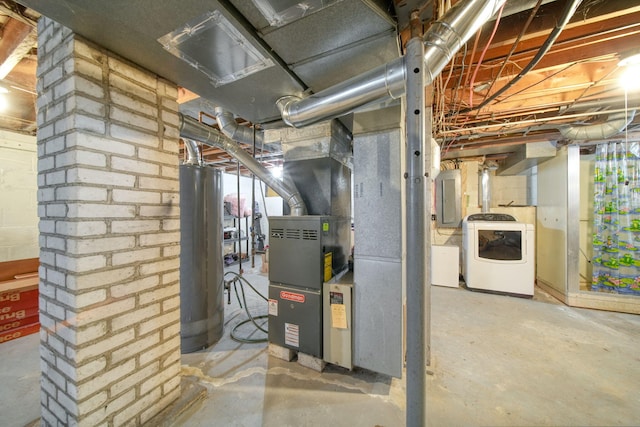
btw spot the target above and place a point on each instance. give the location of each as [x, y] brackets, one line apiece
[109, 235]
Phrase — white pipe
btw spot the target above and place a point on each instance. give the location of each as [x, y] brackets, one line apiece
[530, 121]
[486, 190]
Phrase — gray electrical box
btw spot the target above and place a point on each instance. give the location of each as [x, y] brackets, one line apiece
[448, 198]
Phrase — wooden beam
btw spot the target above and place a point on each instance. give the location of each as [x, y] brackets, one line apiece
[19, 38]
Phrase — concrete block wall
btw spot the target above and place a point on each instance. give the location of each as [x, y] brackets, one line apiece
[18, 200]
[514, 189]
[109, 235]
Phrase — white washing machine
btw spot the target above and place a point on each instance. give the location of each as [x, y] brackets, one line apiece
[498, 254]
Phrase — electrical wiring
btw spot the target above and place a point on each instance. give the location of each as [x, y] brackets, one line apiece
[441, 101]
[568, 12]
[532, 15]
[484, 51]
[473, 53]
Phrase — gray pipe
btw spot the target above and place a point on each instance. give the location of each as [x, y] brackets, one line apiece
[193, 129]
[233, 130]
[617, 123]
[442, 41]
[193, 152]
[417, 241]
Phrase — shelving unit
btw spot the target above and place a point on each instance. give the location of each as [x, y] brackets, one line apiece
[236, 241]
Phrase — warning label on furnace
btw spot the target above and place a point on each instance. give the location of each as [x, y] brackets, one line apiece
[292, 334]
[273, 307]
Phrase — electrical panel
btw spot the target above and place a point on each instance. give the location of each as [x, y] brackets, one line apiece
[448, 198]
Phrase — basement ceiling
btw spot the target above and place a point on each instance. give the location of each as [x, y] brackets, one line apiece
[244, 54]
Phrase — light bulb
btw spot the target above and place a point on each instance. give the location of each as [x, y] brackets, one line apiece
[630, 77]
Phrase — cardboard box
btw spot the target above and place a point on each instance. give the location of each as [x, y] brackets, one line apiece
[23, 331]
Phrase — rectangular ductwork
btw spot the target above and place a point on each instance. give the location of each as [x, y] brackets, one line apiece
[211, 44]
[319, 160]
[527, 156]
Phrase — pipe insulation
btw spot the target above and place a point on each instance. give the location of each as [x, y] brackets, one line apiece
[192, 129]
[617, 123]
[443, 39]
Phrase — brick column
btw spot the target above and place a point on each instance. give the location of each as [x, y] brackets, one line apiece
[109, 235]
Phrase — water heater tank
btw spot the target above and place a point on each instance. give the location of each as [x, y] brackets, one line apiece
[201, 266]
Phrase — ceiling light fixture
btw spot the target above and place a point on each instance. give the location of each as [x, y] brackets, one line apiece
[277, 172]
[629, 78]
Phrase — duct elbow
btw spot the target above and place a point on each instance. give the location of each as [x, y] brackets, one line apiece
[297, 205]
[193, 152]
[285, 105]
[229, 127]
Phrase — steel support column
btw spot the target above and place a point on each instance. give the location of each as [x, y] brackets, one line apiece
[418, 240]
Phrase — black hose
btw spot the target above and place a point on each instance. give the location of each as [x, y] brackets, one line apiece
[568, 12]
[238, 279]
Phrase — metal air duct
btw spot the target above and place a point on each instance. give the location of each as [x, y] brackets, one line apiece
[193, 152]
[193, 129]
[229, 127]
[442, 41]
[446, 36]
[487, 167]
[617, 123]
[379, 83]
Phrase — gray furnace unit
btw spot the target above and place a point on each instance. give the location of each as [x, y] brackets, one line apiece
[305, 252]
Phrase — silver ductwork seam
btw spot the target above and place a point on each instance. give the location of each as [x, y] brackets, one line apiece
[614, 125]
[193, 129]
[193, 152]
[442, 41]
[233, 130]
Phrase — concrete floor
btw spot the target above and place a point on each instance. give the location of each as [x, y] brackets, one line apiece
[496, 360]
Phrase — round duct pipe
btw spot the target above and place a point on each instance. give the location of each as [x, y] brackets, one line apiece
[193, 129]
[442, 41]
[615, 124]
[485, 182]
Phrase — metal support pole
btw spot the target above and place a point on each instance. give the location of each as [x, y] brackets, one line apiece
[239, 223]
[417, 179]
[253, 207]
